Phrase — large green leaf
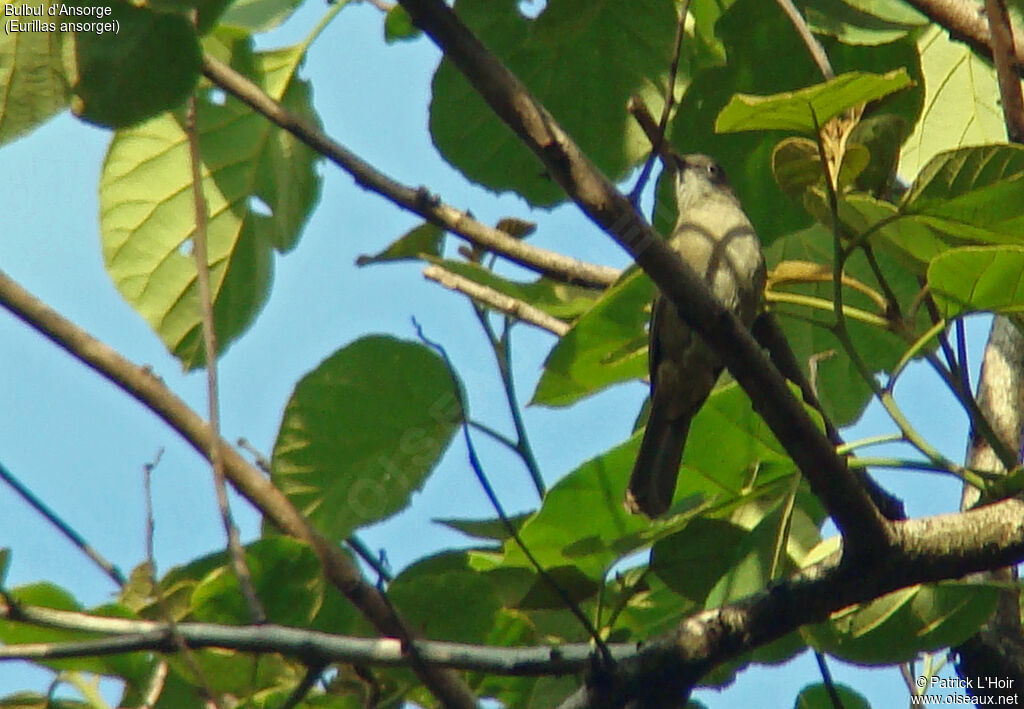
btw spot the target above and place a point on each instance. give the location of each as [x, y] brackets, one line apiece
[805, 109]
[427, 593]
[583, 59]
[977, 278]
[971, 193]
[899, 625]
[250, 168]
[953, 76]
[606, 345]
[33, 84]
[363, 431]
[148, 63]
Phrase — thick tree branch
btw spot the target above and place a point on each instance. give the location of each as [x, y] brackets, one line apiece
[658, 673]
[931, 549]
[863, 528]
[998, 646]
[518, 309]
[966, 21]
[998, 649]
[419, 201]
[150, 391]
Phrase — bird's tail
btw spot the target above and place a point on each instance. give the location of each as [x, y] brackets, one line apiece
[653, 482]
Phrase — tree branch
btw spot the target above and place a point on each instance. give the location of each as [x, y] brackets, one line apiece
[497, 300]
[663, 673]
[147, 389]
[862, 526]
[966, 21]
[419, 201]
[663, 668]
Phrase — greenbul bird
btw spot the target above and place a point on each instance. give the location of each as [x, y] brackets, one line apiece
[716, 239]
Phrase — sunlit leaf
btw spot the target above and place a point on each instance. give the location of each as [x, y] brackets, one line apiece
[259, 184]
[32, 73]
[804, 109]
[978, 278]
[953, 76]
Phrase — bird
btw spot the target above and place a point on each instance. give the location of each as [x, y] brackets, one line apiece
[714, 236]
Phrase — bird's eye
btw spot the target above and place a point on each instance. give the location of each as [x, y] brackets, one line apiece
[715, 173]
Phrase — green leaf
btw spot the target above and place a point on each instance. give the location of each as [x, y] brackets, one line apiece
[573, 582]
[899, 625]
[494, 529]
[883, 136]
[218, 599]
[250, 168]
[446, 582]
[978, 278]
[797, 110]
[33, 83]
[426, 239]
[690, 562]
[149, 64]
[817, 696]
[257, 16]
[606, 345]
[971, 193]
[605, 51]
[870, 22]
[398, 25]
[362, 432]
[953, 76]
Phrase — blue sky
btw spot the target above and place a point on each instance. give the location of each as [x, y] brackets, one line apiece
[81, 444]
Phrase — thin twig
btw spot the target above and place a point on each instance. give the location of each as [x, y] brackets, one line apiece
[419, 201]
[304, 687]
[826, 678]
[502, 349]
[63, 527]
[510, 528]
[199, 253]
[666, 111]
[167, 615]
[961, 358]
[810, 41]
[492, 298]
[157, 682]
